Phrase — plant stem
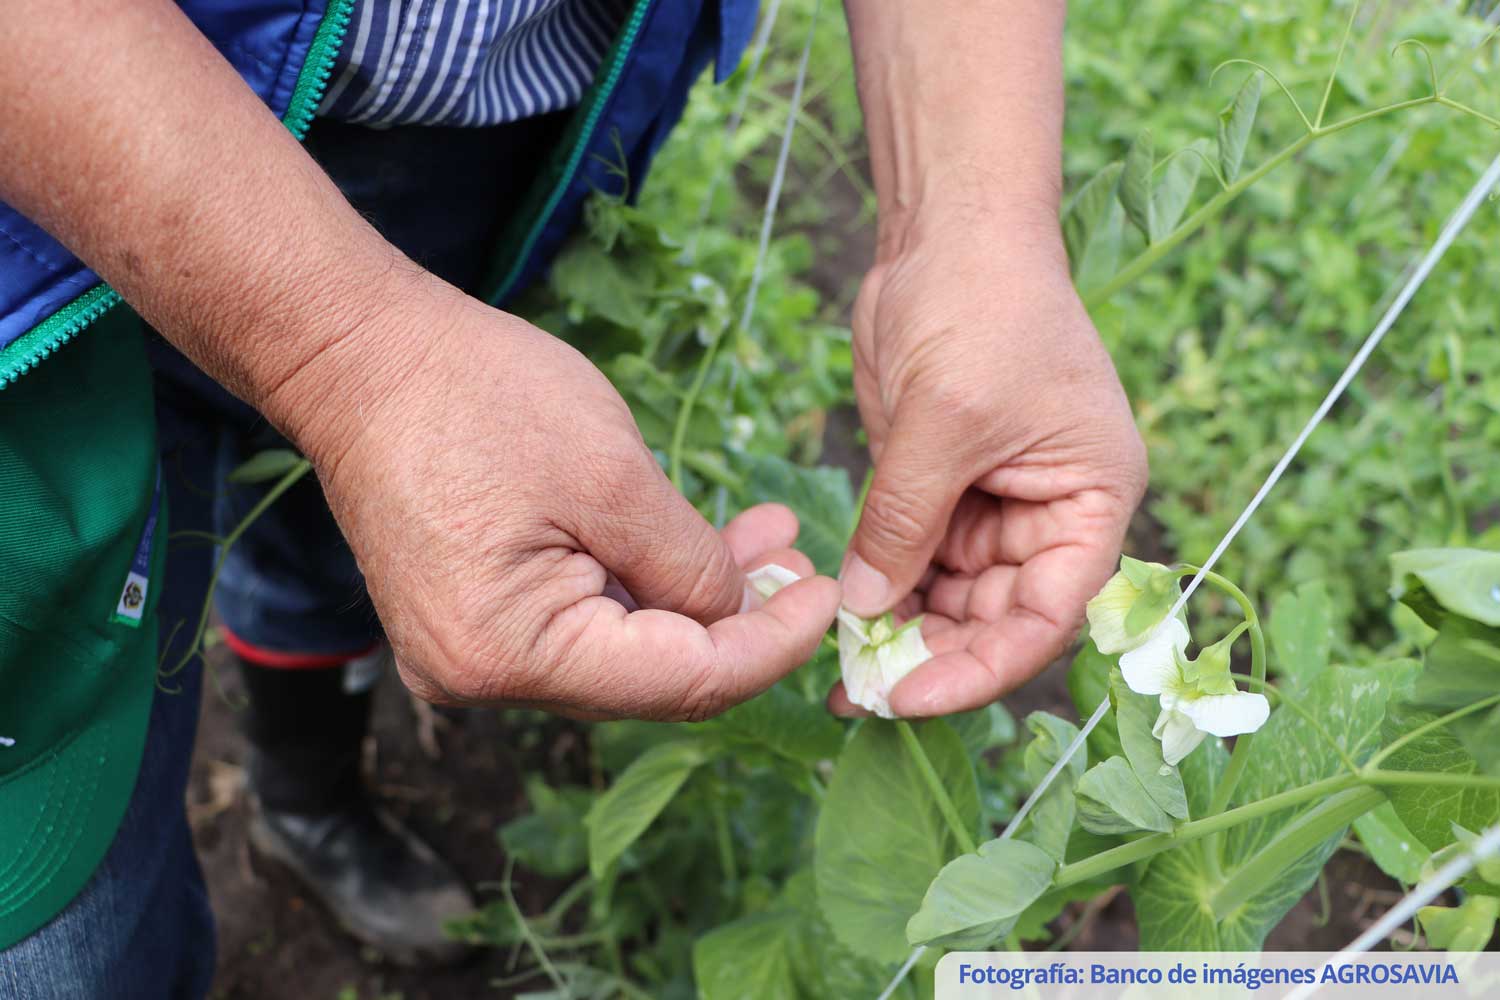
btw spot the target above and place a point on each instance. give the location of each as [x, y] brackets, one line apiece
[726, 846]
[1428, 727]
[1237, 760]
[1156, 843]
[1145, 847]
[963, 835]
[281, 485]
[1143, 261]
[1290, 844]
[1337, 60]
[685, 411]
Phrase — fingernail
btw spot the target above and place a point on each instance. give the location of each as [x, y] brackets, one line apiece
[866, 589]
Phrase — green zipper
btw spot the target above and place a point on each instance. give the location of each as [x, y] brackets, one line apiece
[523, 235]
[30, 348]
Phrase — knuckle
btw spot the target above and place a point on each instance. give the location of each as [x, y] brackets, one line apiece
[895, 520]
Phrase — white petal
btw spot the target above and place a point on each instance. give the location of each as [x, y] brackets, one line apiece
[1107, 613]
[770, 578]
[1227, 714]
[1178, 735]
[861, 672]
[870, 672]
[1151, 668]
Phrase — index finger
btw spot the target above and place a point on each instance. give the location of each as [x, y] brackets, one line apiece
[661, 665]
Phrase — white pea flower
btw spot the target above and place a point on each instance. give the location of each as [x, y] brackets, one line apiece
[1198, 697]
[874, 654]
[1131, 604]
[770, 578]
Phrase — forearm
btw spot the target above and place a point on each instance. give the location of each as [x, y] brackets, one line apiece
[963, 104]
[131, 140]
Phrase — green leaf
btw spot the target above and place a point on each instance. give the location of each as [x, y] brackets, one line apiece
[273, 463]
[1111, 799]
[1235, 124]
[1391, 845]
[1467, 927]
[976, 898]
[881, 839]
[1135, 183]
[1135, 715]
[748, 959]
[1051, 819]
[636, 798]
[615, 288]
[782, 722]
[1174, 896]
[1301, 632]
[1088, 685]
[1463, 581]
[820, 497]
[550, 839]
[984, 728]
[1174, 188]
[1093, 226]
[1429, 811]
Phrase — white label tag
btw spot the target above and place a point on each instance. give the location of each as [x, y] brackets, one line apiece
[133, 597]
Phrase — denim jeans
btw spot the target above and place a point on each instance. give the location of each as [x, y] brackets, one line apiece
[142, 928]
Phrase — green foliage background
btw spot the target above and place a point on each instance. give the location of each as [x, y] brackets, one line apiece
[1225, 345]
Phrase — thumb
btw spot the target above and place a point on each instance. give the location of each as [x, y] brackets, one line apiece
[917, 485]
[660, 548]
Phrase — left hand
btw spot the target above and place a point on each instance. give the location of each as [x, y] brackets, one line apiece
[1008, 464]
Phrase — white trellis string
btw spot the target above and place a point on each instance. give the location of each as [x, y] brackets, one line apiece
[1485, 847]
[1455, 224]
[732, 127]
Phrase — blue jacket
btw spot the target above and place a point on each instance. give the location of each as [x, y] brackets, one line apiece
[284, 49]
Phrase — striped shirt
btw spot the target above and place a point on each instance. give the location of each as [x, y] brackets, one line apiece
[468, 62]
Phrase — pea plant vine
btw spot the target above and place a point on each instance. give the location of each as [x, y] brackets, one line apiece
[777, 852]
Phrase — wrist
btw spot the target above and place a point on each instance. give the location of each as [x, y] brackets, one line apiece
[361, 337]
[981, 216]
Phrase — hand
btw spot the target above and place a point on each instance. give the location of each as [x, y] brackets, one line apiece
[1007, 463]
[493, 485]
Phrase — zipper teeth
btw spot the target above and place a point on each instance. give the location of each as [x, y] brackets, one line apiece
[312, 84]
[616, 67]
[100, 299]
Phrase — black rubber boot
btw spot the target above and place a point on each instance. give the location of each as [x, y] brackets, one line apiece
[313, 816]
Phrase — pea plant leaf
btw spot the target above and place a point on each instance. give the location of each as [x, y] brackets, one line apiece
[976, 898]
[1088, 685]
[781, 722]
[1429, 811]
[1173, 188]
[820, 497]
[1051, 819]
[1391, 845]
[636, 798]
[1301, 632]
[881, 838]
[1235, 123]
[984, 728]
[1467, 927]
[1135, 715]
[1174, 898]
[551, 838]
[273, 463]
[1111, 799]
[1136, 182]
[1093, 226]
[748, 959]
[1465, 582]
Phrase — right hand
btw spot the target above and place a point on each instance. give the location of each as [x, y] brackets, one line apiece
[492, 484]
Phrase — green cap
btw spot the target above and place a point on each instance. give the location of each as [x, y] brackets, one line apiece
[82, 541]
